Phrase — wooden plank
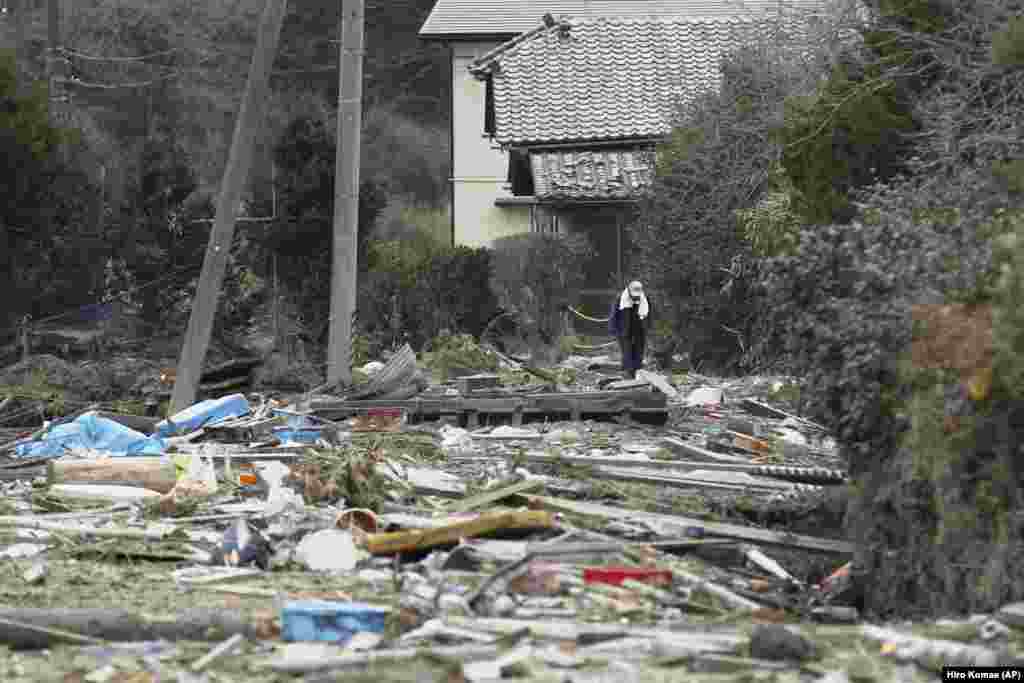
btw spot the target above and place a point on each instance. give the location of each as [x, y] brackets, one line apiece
[694, 451]
[422, 539]
[156, 474]
[761, 536]
[659, 382]
[476, 382]
[488, 497]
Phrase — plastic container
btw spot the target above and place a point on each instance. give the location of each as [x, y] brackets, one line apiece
[93, 432]
[203, 413]
[303, 435]
[329, 622]
[614, 576]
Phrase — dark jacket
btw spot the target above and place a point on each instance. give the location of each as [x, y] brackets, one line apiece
[627, 323]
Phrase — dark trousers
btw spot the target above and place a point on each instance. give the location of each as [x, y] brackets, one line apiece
[632, 354]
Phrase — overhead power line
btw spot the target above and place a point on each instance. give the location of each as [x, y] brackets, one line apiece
[99, 58]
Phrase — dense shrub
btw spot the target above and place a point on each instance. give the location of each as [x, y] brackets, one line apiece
[415, 288]
[302, 238]
[692, 237]
[536, 276]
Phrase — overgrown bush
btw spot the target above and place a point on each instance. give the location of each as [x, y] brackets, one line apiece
[451, 354]
[49, 245]
[414, 288]
[692, 237]
[302, 237]
[536, 276]
[843, 306]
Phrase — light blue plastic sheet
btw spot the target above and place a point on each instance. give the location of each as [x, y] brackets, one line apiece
[204, 413]
[326, 621]
[93, 432]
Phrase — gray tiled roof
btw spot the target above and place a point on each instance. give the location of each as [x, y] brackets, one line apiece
[453, 19]
[605, 78]
[591, 174]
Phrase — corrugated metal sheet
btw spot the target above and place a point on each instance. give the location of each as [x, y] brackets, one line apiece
[480, 18]
[606, 79]
[591, 174]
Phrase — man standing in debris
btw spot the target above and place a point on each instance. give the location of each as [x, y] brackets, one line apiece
[629, 320]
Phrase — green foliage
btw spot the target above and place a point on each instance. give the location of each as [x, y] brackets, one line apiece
[536, 276]
[1008, 43]
[458, 352]
[50, 247]
[693, 237]
[842, 301]
[26, 116]
[1008, 316]
[1011, 173]
[302, 237]
[415, 288]
[157, 236]
[850, 135]
[772, 226]
[407, 157]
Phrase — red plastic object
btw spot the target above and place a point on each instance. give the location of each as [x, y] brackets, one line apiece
[616, 575]
[384, 412]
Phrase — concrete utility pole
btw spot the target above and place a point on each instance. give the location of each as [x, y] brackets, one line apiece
[346, 193]
[204, 306]
[18, 9]
[52, 54]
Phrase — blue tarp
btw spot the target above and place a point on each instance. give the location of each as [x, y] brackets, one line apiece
[325, 621]
[91, 431]
[204, 413]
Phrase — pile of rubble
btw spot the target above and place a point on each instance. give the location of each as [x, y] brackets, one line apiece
[246, 539]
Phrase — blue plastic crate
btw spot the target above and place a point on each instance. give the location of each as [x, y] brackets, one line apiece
[331, 622]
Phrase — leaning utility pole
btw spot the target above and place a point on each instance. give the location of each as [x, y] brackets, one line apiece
[346, 193]
[204, 305]
[18, 8]
[52, 56]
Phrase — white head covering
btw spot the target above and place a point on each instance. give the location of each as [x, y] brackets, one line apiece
[626, 300]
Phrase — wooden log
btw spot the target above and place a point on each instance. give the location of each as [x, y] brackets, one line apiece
[694, 451]
[16, 626]
[155, 474]
[110, 493]
[472, 383]
[422, 539]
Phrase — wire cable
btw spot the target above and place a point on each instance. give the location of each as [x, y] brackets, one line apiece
[587, 317]
[97, 58]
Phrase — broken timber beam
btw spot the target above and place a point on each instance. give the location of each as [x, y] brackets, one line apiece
[422, 539]
[759, 536]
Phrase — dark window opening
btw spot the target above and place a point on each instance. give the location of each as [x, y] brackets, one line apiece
[489, 106]
[520, 175]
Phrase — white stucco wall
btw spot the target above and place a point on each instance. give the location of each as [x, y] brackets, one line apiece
[479, 171]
